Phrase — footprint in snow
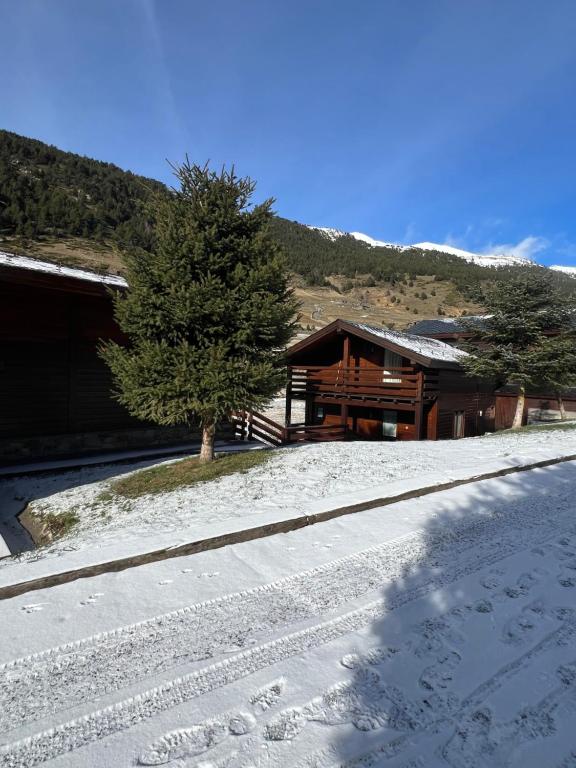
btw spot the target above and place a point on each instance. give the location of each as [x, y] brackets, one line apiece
[165, 582]
[91, 599]
[374, 657]
[188, 742]
[567, 579]
[268, 696]
[33, 608]
[439, 675]
[490, 581]
[520, 628]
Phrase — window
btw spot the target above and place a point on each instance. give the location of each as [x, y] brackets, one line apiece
[391, 360]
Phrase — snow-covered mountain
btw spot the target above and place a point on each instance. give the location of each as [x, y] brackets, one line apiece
[571, 271]
[483, 259]
[376, 243]
[334, 234]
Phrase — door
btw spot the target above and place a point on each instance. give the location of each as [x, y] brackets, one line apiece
[458, 425]
[389, 424]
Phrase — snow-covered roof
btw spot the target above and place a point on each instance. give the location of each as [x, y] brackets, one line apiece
[438, 325]
[50, 268]
[433, 349]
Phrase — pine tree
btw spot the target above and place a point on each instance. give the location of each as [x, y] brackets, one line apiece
[208, 313]
[514, 344]
[557, 369]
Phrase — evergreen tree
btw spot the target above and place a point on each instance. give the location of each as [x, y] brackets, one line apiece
[209, 313]
[514, 344]
[557, 368]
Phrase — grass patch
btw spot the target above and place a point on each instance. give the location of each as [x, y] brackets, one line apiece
[45, 527]
[58, 525]
[182, 474]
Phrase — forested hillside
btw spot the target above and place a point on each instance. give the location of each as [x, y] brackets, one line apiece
[45, 192]
[73, 209]
[316, 256]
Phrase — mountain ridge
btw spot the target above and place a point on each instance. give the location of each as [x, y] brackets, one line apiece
[80, 212]
[482, 259]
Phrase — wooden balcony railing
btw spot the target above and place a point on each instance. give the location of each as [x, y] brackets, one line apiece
[250, 425]
[402, 383]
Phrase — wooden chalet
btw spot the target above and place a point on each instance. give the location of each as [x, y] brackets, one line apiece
[55, 391]
[372, 383]
[540, 405]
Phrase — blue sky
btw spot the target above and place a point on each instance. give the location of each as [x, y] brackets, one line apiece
[445, 120]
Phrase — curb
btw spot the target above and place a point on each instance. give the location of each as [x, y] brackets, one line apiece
[258, 532]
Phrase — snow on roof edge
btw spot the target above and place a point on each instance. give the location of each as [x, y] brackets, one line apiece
[51, 268]
[433, 349]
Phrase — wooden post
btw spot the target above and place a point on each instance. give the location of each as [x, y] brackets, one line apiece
[288, 414]
[419, 406]
[345, 377]
[249, 431]
[432, 434]
[346, 352]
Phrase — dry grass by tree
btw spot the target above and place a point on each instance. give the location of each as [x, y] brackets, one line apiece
[186, 472]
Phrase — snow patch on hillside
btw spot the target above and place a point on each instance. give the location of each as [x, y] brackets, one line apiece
[484, 260]
[571, 271]
[329, 232]
[377, 243]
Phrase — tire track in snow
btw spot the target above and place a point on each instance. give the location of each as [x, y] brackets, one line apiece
[123, 715]
[201, 631]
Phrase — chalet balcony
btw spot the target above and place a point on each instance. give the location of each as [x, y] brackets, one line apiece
[361, 383]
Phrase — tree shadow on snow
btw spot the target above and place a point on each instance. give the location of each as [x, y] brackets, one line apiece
[470, 661]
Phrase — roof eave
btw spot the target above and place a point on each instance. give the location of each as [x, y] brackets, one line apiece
[344, 325]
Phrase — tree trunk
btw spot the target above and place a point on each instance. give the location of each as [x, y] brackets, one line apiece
[207, 450]
[519, 415]
[561, 406]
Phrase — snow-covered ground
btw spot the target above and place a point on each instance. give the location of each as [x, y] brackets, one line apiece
[433, 633]
[296, 481]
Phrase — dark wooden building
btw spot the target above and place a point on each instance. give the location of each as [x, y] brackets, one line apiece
[379, 384]
[540, 405]
[55, 392]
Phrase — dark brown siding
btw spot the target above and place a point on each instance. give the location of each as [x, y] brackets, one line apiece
[473, 397]
[51, 378]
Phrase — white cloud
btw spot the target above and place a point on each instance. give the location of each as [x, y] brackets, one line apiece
[527, 248]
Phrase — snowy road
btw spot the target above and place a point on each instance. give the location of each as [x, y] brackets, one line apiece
[435, 632]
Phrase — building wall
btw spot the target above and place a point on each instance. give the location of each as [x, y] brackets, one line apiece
[538, 409]
[55, 392]
[459, 393]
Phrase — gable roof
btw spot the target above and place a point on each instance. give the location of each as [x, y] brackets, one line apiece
[428, 352]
